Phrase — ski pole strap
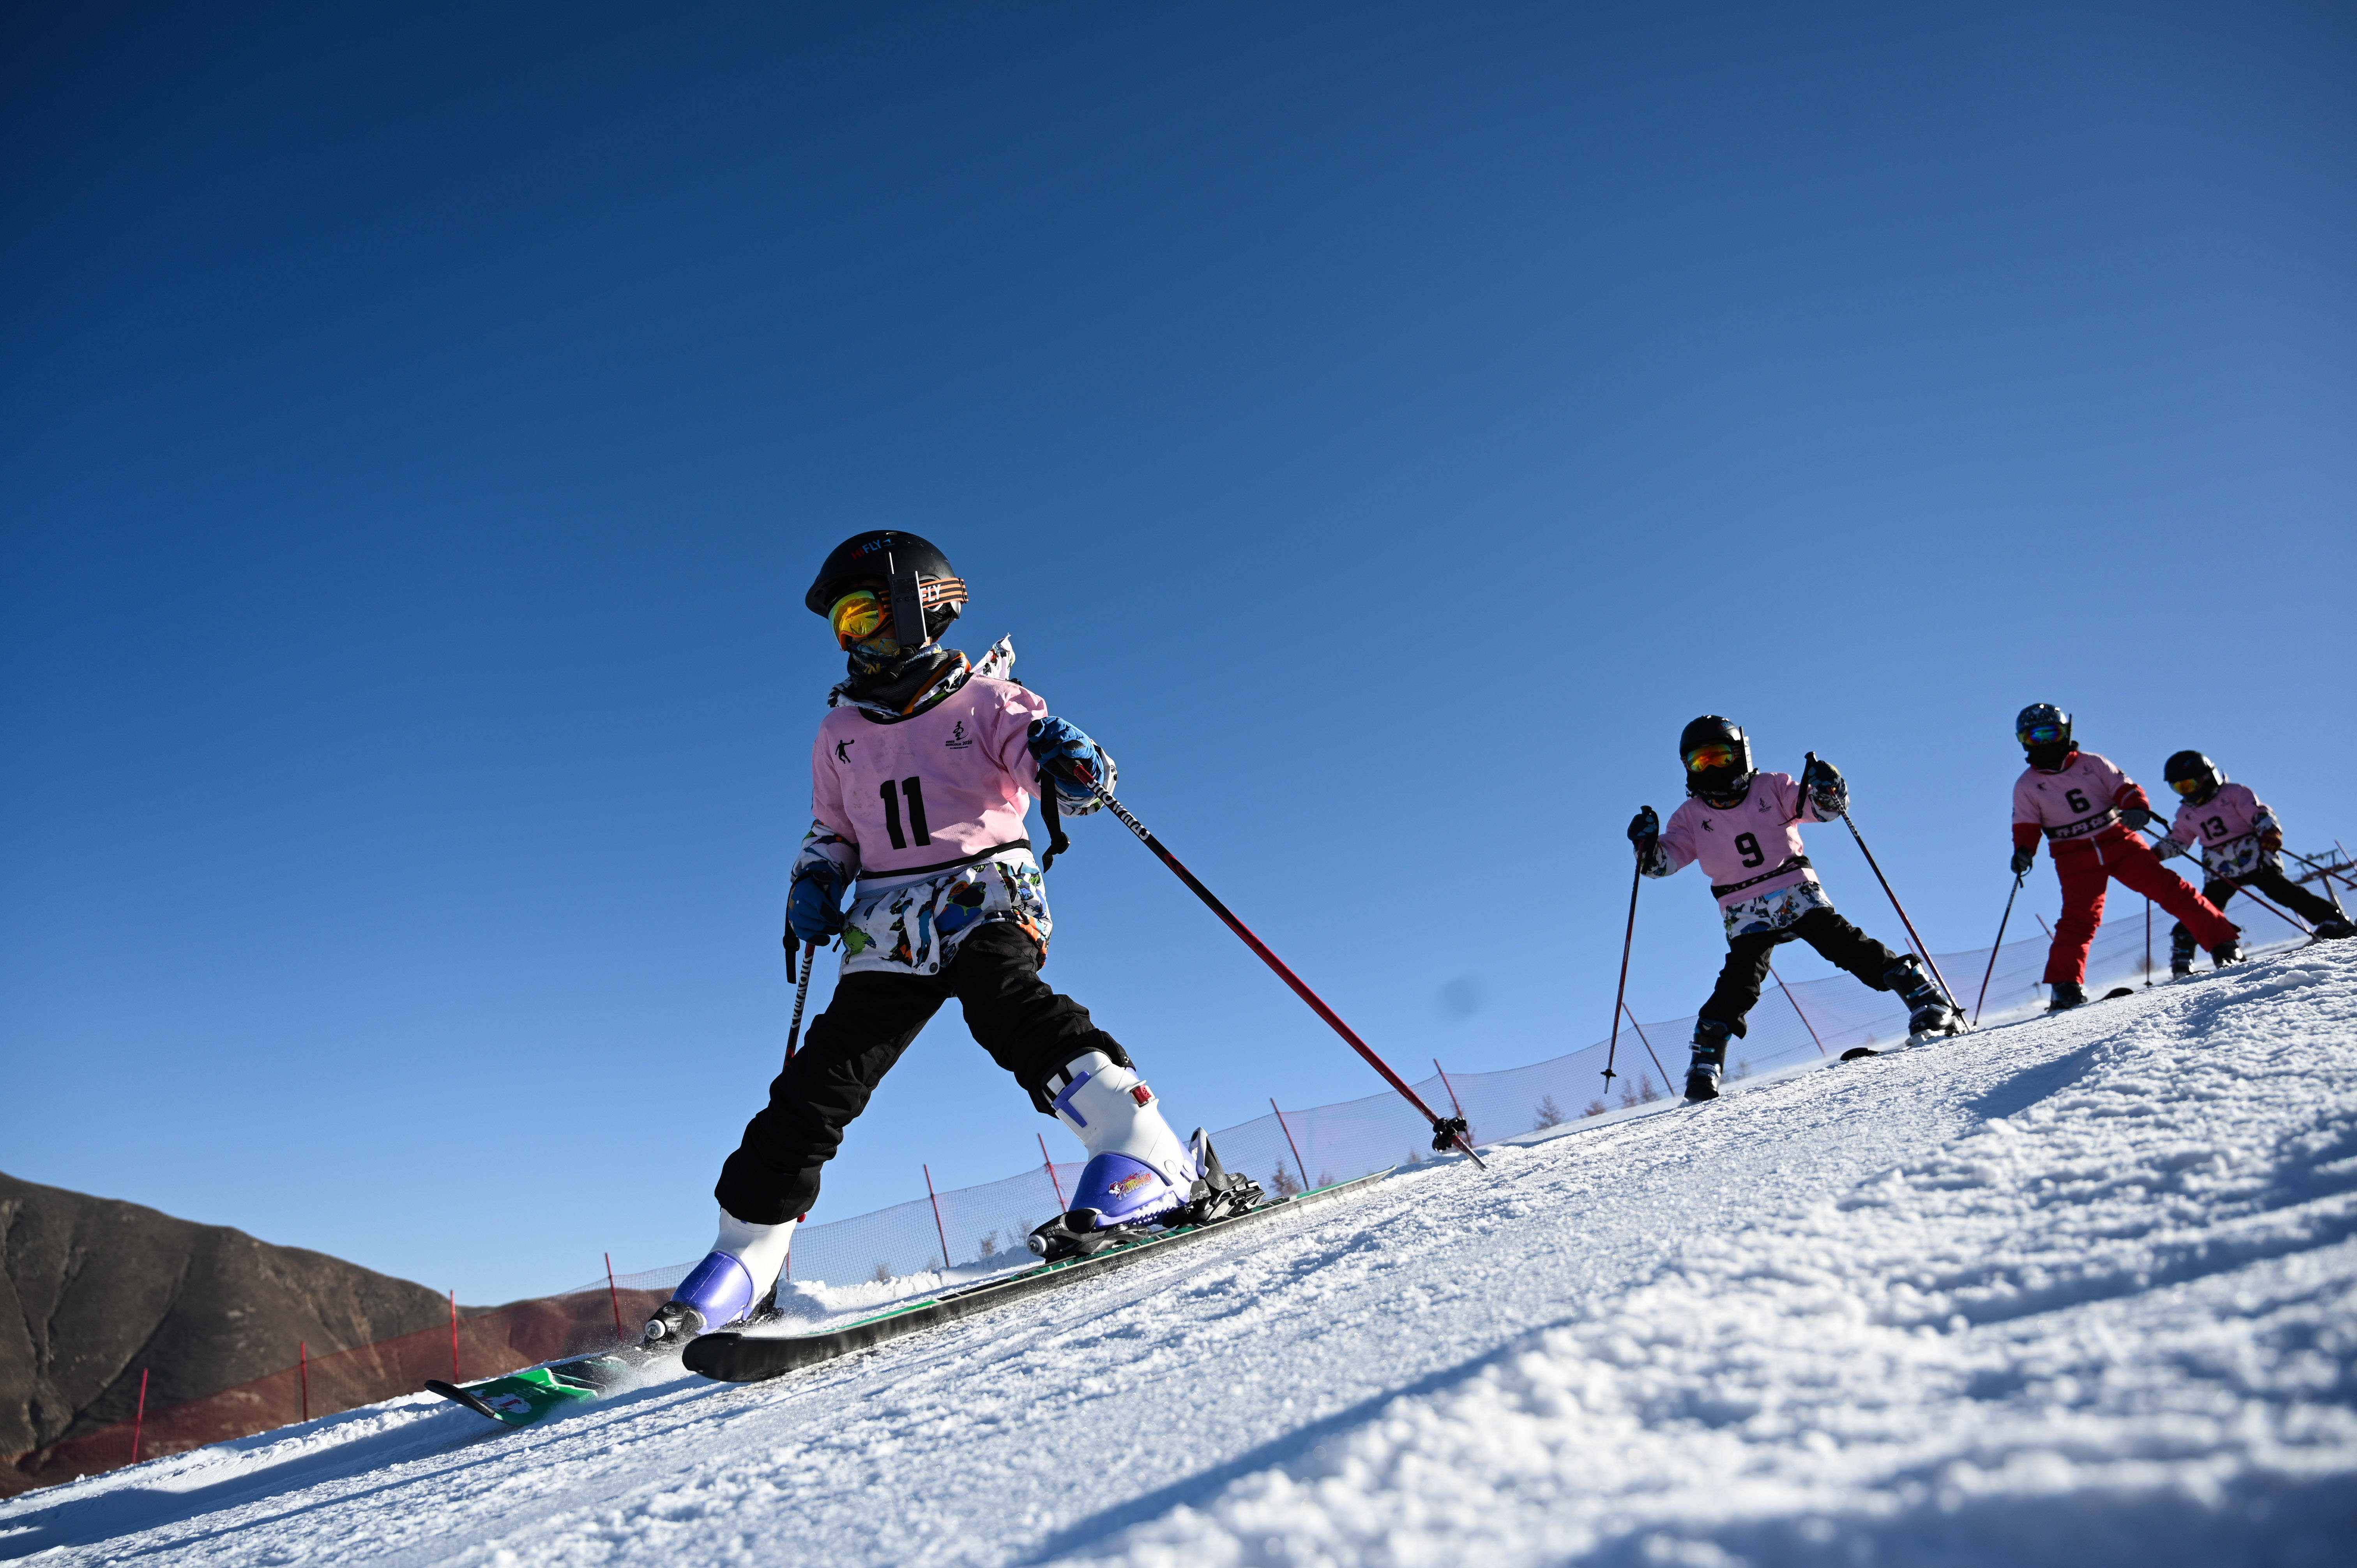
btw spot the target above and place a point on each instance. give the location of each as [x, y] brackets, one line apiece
[1049, 813]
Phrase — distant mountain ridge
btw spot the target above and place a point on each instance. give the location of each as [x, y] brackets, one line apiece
[94, 1290]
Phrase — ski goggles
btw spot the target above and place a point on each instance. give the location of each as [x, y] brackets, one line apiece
[856, 617]
[2188, 786]
[1703, 757]
[2040, 735]
[864, 613]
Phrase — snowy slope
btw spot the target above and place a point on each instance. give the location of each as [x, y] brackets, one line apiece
[2079, 1291]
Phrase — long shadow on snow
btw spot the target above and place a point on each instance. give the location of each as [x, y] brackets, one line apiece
[2255, 1521]
[111, 1512]
[2027, 1087]
[117, 1511]
[1278, 1451]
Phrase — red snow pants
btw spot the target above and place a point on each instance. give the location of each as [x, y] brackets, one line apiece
[2085, 865]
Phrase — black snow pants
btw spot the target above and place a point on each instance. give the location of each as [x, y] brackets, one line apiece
[2267, 880]
[1841, 944]
[1027, 1028]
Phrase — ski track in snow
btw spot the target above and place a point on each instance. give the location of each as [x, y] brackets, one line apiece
[2079, 1290]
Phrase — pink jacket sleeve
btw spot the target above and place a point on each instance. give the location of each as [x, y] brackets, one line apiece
[1675, 850]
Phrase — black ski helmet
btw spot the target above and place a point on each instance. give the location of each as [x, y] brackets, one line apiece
[2191, 765]
[2047, 753]
[919, 578]
[1720, 782]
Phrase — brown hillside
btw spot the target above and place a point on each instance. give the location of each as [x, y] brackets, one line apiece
[94, 1290]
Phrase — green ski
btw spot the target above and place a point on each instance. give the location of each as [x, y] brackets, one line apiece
[519, 1398]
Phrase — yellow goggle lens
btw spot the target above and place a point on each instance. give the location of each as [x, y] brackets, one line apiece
[1703, 756]
[856, 615]
[2186, 786]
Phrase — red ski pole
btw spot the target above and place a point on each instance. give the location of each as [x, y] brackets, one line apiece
[1445, 1131]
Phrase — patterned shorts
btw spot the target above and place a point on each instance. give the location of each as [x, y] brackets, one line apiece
[916, 928]
[1773, 911]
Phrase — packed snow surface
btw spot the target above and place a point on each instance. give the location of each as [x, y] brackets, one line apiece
[2079, 1290]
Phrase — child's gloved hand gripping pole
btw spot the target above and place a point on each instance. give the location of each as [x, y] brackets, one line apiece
[1448, 1132]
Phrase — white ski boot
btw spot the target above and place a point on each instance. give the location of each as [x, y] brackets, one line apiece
[1139, 1173]
[737, 1276]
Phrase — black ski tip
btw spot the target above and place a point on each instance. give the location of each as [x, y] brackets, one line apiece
[457, 1395]
[2116, 992]
[1855, 1052]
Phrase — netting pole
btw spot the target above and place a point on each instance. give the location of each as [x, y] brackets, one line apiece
[302, 1370]
[938, 1229]
[1620, 992]
[1442, 1132]
[1048, 1163]
[614, 1294]
[2147, 944]
[1453, 1103]
[1648, 1044]
[454, 1335]
[140, 1419]
[1300, 1164]
[1993, 949]
[1795, 1001]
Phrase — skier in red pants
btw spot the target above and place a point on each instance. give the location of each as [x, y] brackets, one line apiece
[2090, 810]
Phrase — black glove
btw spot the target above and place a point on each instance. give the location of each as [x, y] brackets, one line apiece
[2022, 860]
[1644, 828]
[1822, 783]
[2137, 818]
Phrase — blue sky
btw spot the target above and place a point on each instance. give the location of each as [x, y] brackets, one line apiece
[1383, 426]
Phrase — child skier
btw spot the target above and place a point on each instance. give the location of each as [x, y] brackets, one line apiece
[2242, 846]
[1744, 826]
[920, 777]
[2091, 813]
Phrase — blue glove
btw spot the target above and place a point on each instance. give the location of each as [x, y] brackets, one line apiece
[1065, 750]
[2136, 818]
[2022, 860]
[814, 908]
